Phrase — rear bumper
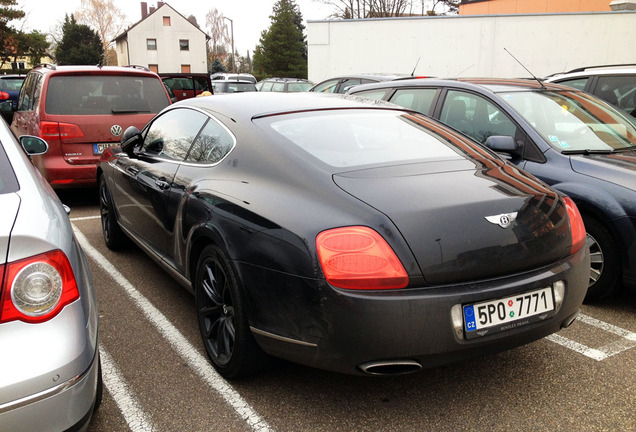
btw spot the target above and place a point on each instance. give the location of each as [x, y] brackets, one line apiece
[65, 407]
[60, 174]
[341, 330]
[50, 378]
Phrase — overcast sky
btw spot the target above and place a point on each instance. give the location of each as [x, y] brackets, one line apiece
[250, 17]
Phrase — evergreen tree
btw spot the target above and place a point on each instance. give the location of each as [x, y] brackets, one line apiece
[282, 49]
[217, 66]
[80, 45]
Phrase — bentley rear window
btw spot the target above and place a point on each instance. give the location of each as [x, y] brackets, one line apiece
[354, 138]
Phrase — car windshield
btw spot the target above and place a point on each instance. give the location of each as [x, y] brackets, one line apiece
[105, 94]
[355, 138]
[574, 122]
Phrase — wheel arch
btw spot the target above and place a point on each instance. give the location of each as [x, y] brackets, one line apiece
[200, 238]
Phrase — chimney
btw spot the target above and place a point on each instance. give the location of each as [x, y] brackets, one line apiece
[152, 9]
[144, 10]
[159, 4]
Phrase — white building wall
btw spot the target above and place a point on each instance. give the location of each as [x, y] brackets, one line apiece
[168, 55]
[454, 46]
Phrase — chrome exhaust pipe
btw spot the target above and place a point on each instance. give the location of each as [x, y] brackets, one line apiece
[390, 367]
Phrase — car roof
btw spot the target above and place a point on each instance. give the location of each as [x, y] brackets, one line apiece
[183, 75]
[96, 70]
[12, 76]
[250, 105]
[595, 70]
[285, 79]
[493, 85]
[378, 77]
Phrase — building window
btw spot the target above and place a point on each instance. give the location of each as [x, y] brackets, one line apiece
[151, 44]
[166, 21]
[184, 45]
[185, 68]
[154, 68]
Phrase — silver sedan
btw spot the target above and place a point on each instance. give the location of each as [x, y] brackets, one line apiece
[50, 375]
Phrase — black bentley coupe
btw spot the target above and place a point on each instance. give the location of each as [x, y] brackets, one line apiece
[342, 233]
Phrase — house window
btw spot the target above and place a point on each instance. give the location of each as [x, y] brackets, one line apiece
[166, 21]
[151, 44]
[184, 45]
[154, 68]
[185, 68]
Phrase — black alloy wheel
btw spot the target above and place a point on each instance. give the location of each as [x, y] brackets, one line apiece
[221, 315]
[114, 237]
[605, 266]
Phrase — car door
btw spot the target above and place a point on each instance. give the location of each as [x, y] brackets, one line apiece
[144, 182]
[477, 116]
[212, 144]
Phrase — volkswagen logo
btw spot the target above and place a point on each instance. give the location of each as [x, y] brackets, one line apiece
[116, 130]
[503, 220]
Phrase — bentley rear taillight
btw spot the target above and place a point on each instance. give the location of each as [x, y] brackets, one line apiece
[359, 258]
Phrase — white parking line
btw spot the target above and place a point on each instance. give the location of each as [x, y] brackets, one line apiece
[83, 218]
[179, 343]
[627, 341]
[123, 396]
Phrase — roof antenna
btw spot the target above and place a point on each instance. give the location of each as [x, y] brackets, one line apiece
[535, 78]
[465, 70]
[416, 63]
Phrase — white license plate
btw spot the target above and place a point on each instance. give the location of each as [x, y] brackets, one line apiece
[502, 313]
[100, 147]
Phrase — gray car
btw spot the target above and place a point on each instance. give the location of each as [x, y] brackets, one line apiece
[50, 377]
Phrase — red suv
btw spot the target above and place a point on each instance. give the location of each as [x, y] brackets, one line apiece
[80, 111]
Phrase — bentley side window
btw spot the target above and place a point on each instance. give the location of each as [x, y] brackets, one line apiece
[171, 134]
[212, 144]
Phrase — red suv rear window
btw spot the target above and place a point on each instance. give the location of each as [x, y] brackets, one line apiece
[104, 94]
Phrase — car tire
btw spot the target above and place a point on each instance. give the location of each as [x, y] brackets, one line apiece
[605, 265]
[114, 237]
[222, 318]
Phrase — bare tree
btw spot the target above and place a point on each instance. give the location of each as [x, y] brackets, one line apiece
[219, 34]
[357, 9]
[104, 17]
[388, 8]
[347, 9]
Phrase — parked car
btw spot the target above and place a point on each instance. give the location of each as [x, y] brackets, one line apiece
[51, 375]
[342, 84]
[80, 111]
[288, 85]
[186, 85]
[236, 86]
[285, 213]
[614, 84]
[573, 141]
[223, 76]
[9, 91]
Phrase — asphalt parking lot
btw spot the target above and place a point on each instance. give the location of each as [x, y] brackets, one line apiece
[157, 376]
